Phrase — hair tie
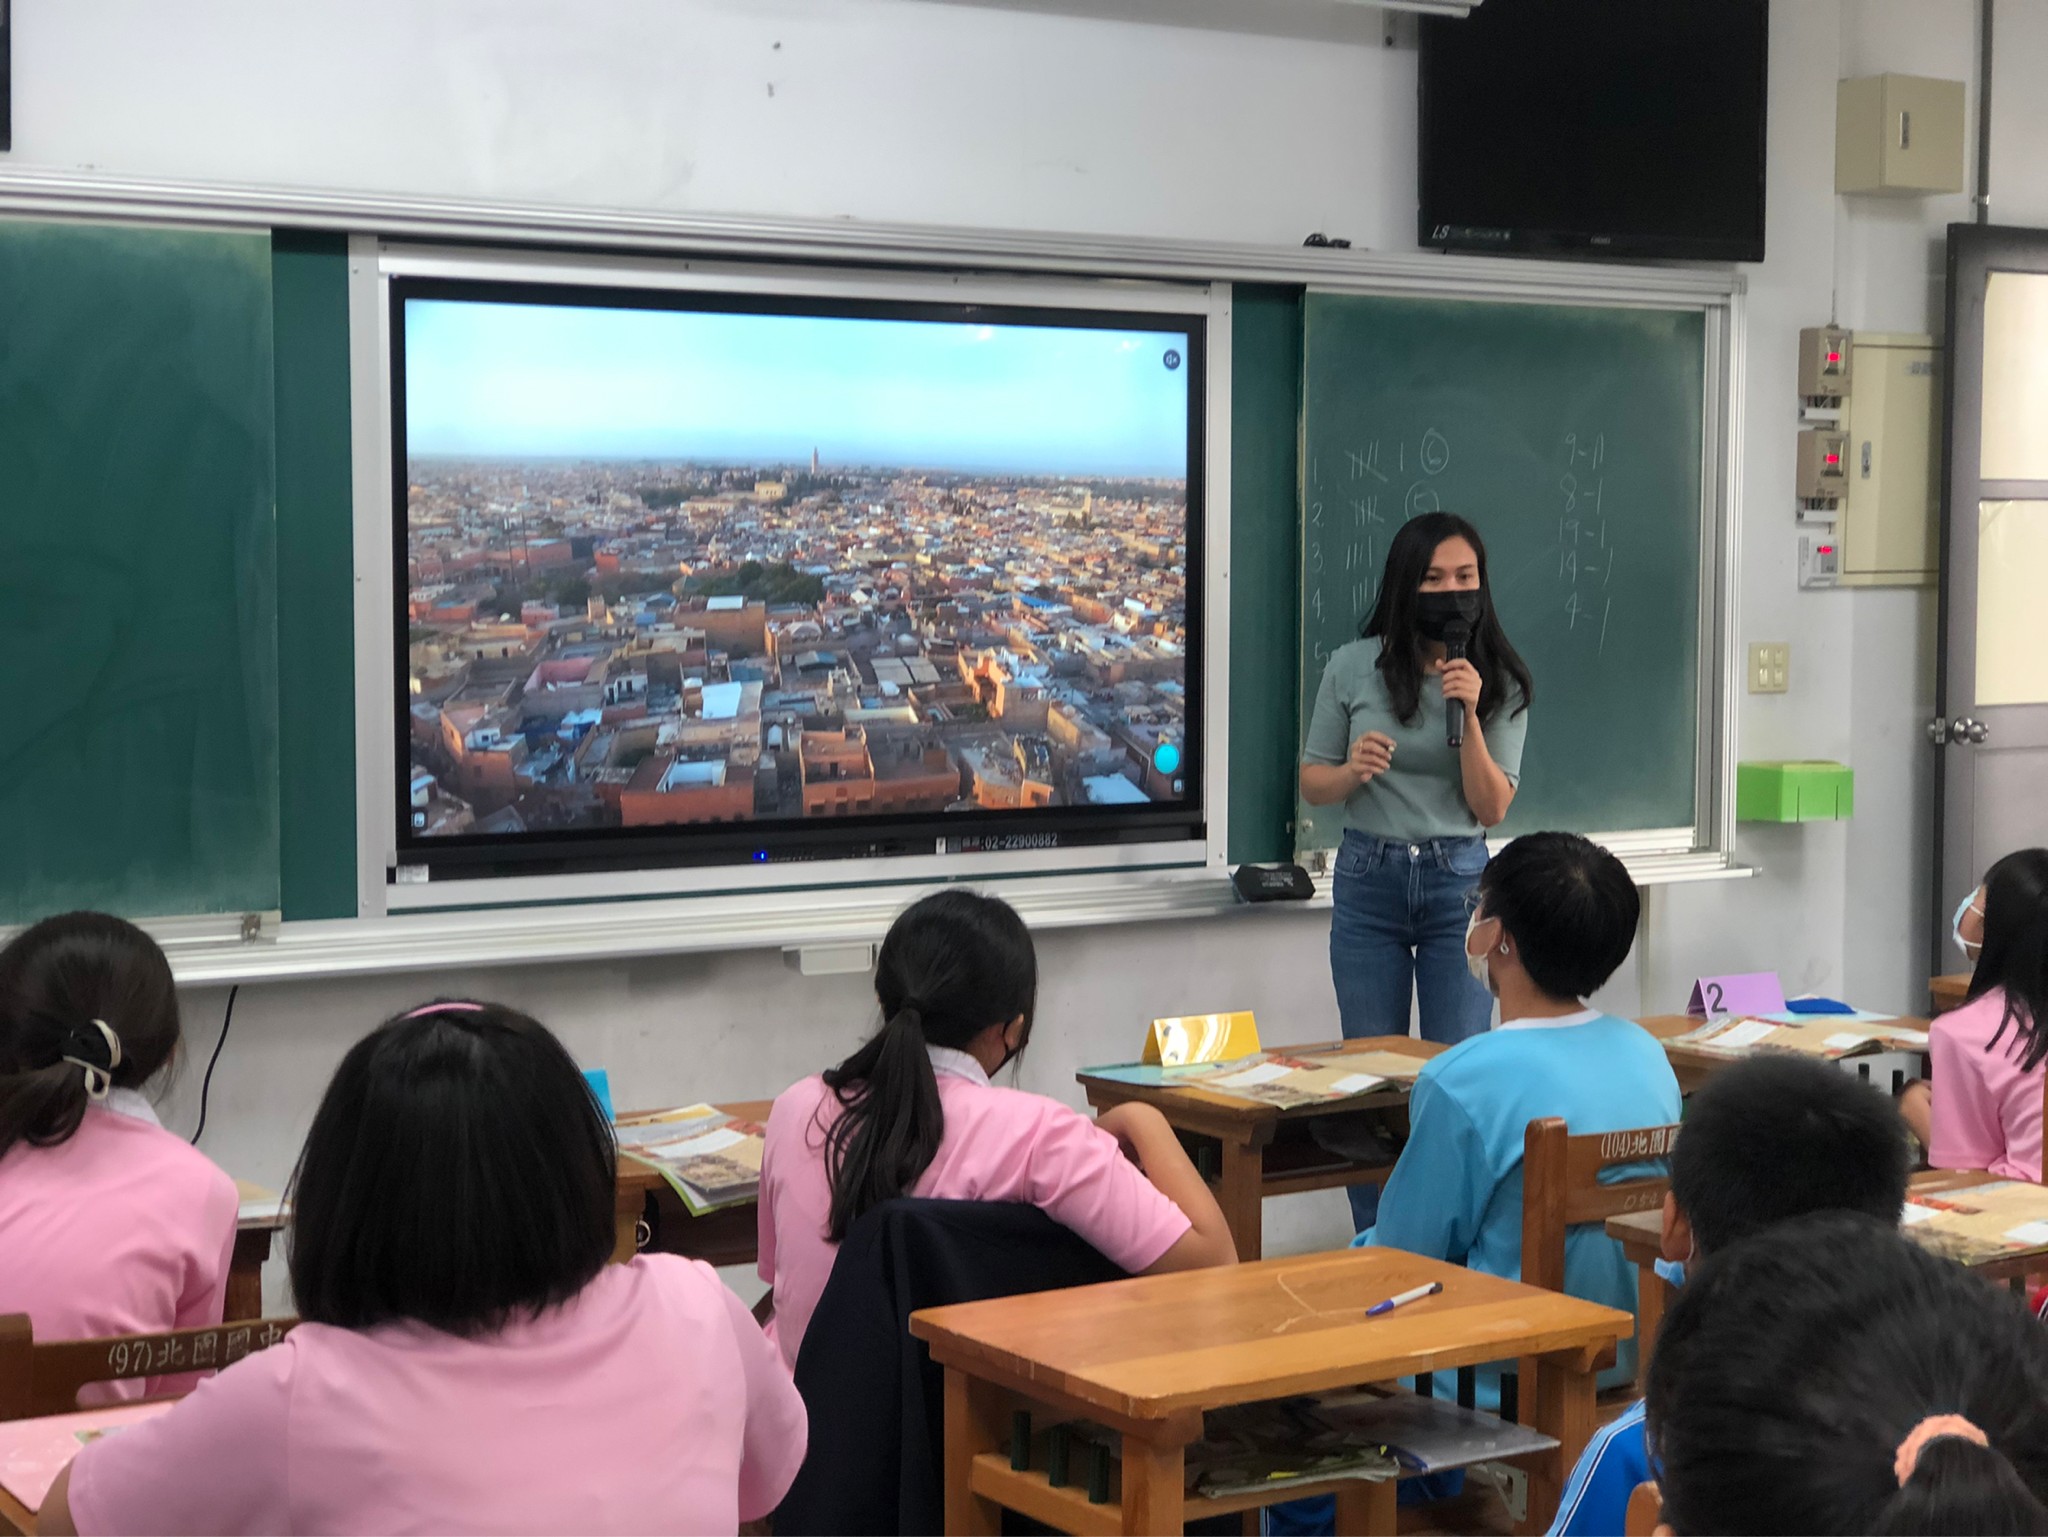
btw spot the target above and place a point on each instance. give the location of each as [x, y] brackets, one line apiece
[98, 1079]
[913, 1007]
[1936, 1427]
[446, 1006]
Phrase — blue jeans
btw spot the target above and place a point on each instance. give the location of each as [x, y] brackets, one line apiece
[1399, 928]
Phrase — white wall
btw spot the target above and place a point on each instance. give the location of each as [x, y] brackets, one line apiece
[1026, 115]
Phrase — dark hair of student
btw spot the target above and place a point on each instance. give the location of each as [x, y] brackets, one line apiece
[459, 1172]
[1797, 1375]
[2015, 953]
[1569, 906]
[1775, 1137]
[1393, 620]
[953, 964]
[56, 978]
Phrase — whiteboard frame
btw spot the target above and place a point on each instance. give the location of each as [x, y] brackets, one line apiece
[1707, 846]
[372, 266]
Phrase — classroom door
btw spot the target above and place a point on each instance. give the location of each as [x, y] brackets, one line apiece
[1991, 725]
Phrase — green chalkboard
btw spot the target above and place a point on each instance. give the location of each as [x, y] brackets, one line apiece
[138, 763]
[1571, 436]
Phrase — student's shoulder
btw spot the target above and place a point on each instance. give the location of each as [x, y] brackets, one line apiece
[164, 1159]
[1595, 1500]
[1976, 1019]
[798, 1103]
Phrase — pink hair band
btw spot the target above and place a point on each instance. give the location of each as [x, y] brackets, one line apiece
[444, 1008]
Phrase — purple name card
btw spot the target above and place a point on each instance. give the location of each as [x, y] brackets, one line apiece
[1751, 992]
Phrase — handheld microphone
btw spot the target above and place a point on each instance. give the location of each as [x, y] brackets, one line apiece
[1457, 635]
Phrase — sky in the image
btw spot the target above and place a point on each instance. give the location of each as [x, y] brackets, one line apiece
[487, 379]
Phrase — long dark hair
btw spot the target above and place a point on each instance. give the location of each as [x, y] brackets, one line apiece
[1393, 620]
[2015, 952]
[458, 1173]
[1797, 1362]
[953, 964]
[56, 978]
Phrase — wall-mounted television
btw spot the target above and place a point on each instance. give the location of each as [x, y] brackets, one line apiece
[689, 577]
[1595, 128]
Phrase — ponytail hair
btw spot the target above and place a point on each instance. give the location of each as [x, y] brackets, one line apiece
[86, 1003]
[953, 964]
[1833, 1376]
[1961, 1487]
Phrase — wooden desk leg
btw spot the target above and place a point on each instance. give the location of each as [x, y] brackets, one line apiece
[974, 1414]
[1652, 1293]
[1558, 1403]
[1155, 1492]
[1240, 1191]
[245, 1275]
[1367, 1509]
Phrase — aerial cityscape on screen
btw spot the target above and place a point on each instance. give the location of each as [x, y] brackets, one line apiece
[681, 567]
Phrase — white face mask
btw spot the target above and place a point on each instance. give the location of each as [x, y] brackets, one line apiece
[1968, 947]
[1476, 964]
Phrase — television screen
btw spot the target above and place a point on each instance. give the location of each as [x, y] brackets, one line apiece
[693, 578]
[1595, 127]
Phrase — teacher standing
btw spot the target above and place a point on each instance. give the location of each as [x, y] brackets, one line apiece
[1415, 808]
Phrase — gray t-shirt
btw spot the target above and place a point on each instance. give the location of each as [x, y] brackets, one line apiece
[1423, 794]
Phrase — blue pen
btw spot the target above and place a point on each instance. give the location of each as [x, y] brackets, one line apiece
[1405, 1297]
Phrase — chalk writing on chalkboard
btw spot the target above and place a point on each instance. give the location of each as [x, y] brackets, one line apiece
[1372, 487]
[1586, 552]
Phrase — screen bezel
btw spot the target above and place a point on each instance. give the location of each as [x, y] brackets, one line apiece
[1436, 232]
[882, 837]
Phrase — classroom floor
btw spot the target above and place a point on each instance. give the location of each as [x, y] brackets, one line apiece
[1476, 1513]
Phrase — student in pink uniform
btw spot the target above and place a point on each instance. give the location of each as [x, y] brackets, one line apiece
[914, 1112]
[1982, 1108]
[469, 1360]
[108, 1223]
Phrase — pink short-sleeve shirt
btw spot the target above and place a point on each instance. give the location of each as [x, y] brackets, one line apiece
[998, 1145]
[121, 1229]
[1987, 1113]
[649, 1402]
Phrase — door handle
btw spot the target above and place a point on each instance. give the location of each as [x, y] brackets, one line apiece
[1967, 730]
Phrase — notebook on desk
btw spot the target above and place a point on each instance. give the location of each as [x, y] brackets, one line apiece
[34, 1452]
[1288, 1080]
[708, 1158]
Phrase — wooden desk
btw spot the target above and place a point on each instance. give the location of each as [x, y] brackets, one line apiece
[1263, 1150]
[253, 1237]
[1146, 1357]
[1947, 992]
[728, 1236]
[1692, 1066]
[16, 1519]
[1641, 1235]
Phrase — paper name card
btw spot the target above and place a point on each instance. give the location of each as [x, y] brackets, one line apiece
[1751, 992]
[1189, 1038]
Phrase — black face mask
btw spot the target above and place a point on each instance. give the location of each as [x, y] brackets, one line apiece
[1435, 612]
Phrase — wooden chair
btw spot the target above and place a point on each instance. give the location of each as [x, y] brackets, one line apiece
[1562, 1189]
[1645, 1511]
[45, 1379]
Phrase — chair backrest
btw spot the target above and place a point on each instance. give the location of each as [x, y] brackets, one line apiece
[1562, 1189]
[1645, 1511]
[45, 1379]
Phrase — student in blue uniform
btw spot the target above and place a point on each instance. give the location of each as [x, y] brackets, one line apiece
[1553, 916]
[1765, 1141]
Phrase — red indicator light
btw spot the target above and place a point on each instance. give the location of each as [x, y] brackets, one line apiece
[1827, 549]
[1834, 357]
[1834, 458]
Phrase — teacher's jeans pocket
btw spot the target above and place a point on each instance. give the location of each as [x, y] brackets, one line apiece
[1466, 856]
[1358, 855]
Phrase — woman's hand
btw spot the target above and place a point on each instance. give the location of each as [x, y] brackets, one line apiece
[1370, 756]
[1461, 681]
